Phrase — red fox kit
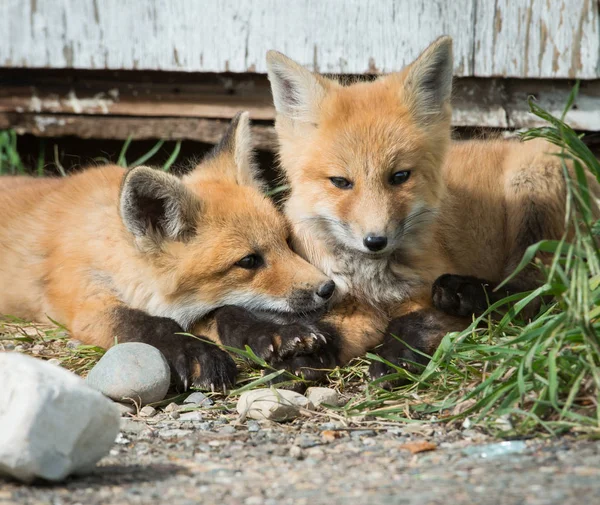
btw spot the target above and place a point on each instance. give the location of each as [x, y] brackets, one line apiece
[384, 203]
[142, 255]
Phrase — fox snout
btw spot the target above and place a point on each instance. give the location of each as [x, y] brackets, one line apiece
[307, 300]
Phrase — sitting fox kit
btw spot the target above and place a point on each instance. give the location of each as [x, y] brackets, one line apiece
[142, 255]
[384, 203]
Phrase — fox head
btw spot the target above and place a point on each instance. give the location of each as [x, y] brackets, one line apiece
[364, 161]
[214, 239]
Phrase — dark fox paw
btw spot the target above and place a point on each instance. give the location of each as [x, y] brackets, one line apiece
[305, 350]
[198, 363]
[405, 345]
[270, 341]
[462, 295]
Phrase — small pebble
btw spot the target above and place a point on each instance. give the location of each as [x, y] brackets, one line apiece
[306, 441]
[54, 361]
[362, 433]
[253, 426]
[323, 396]
[174, 433]
[199, 398]
[147, 411]
[330, 426]
[227, 429]
[296, 452]
[172, 407]
[190, 416]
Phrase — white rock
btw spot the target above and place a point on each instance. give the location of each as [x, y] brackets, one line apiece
[272, 404]
[172, 407]
[323, 396]
[147, 411]
[132, 372]
[51, 423]
[191, 416]
[199, 398]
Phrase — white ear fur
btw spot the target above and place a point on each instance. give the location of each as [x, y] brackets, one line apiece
[297, 92]
[243, 154]
[428, 83]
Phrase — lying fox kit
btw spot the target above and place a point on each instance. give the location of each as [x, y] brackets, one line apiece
[142, 255]
[384, 203]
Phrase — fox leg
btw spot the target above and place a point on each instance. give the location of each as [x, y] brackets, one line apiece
[412, 336]
[102, 319]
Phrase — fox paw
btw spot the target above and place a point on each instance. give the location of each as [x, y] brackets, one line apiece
[461, 295]
[271, 342]
[402, 335]
[198, 363]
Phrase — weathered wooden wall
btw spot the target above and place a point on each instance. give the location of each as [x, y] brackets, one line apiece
[509, 38]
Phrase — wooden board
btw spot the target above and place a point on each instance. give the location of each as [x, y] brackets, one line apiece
[511, 38]
[208, 131]
[96, 104]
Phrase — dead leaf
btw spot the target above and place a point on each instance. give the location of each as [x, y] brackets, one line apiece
[419, 446]
[331, 435]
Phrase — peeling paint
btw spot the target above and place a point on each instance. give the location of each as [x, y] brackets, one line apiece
[98, 101]
[511, 38]
[41, 123]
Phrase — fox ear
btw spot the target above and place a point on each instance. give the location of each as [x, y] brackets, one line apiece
[233, 156]
[428, 81]
[156, 206]
[297, 92]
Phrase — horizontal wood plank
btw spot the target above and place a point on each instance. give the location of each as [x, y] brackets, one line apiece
[495, 103]
[208, 131]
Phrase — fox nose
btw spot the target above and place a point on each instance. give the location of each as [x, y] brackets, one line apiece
[326, 290]
[374, 243]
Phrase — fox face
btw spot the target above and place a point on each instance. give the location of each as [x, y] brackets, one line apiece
[364, 160]
[213, 239]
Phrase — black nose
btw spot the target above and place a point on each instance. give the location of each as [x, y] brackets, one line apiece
[326, 290]
[373, 243]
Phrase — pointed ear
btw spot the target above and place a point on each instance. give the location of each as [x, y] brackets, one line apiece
[233, 156]
[156, 206]
[297, 93]
[428, 80]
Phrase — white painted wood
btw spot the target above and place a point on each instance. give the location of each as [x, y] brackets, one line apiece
[511, 38]
[537, 38]
[334, 36]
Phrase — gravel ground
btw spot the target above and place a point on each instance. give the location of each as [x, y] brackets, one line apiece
[219, 458]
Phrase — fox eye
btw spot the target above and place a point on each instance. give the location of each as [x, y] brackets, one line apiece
[400, 177]
[341, 182]
[250, 262]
